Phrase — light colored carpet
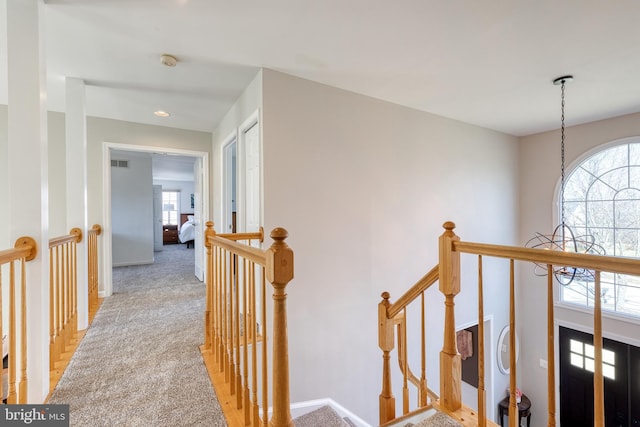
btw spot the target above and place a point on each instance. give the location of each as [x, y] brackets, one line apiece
[439, 420]
[324, 416]
[139, 363]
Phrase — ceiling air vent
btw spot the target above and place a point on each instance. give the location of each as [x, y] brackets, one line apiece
[119, 163]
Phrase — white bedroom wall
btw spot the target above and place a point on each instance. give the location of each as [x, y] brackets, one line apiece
[132, 209]
[539, 166]
[363, 187]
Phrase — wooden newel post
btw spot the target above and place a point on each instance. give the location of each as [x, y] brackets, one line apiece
[208, 232]
[279, 273]
[450, 363]
[386, 343]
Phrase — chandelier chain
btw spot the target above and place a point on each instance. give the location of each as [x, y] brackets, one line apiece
[562, 157]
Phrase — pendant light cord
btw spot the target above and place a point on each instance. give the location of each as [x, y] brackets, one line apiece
[562, 158]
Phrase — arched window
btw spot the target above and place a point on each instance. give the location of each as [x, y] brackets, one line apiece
[602, 198]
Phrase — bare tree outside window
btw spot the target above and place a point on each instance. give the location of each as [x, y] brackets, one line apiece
[602, 198]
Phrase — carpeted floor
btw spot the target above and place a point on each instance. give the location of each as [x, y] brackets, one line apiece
[139, 363]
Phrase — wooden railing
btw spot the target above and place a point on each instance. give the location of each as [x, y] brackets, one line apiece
[63, 293]
[92, 270]
[25, 249]
[237, 331]
[447, 272]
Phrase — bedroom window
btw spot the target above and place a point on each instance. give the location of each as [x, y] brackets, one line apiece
[602, 198]
[170, 207]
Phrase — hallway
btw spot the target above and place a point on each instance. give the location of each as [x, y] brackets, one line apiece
[139, 362]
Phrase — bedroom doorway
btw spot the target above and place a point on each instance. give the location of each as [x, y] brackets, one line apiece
[200, 193]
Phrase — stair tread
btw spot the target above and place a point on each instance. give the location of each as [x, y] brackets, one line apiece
[325, 416]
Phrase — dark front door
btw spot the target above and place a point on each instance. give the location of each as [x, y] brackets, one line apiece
[576, 380]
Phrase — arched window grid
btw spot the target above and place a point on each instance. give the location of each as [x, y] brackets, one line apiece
[605, 203]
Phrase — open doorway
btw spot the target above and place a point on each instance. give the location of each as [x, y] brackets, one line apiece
[195, 202]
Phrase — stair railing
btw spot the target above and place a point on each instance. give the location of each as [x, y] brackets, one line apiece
[236, 324]
[63, 293]
[92, 270]
[448, 273]
[25, 250]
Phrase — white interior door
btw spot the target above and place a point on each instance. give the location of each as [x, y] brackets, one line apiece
[252, 176]
[157, 218]
[198, 215]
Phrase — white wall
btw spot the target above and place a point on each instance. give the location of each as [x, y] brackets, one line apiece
[132, 210]
[5, 227]
[539, 166]
[363, 187]
[57, 176]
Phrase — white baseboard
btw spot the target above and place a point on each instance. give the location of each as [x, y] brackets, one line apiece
[301, 408]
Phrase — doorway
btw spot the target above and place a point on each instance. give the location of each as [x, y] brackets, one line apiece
[621, 362]
[201, 195]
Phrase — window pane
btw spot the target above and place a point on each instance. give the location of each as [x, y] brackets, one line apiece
[608, 356]
[609, 371]
[577, 360]
[589, 365]
[588, 350]
[576, 346]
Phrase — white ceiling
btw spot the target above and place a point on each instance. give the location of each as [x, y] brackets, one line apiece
[488, 63]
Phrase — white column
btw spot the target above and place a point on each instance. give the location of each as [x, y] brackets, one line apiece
[76, 147]
[27, 173]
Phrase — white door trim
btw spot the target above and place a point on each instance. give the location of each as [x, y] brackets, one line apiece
[107, 284]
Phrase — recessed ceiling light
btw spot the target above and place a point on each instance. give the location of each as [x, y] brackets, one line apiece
[161, 113]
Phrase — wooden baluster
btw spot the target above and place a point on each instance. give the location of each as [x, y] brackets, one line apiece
[513, 406]
[246, 304]
[551, 366]
[228, 302]
[237, 326]
[265, 373]
[482, 398]
[52, 311]
[255, 408]
[233, 315]
[279, 273]
[450, 362]
[60, 300]
[422, 392]
[402, 334]
[225, 316]
[23, 332]
[208, 339]
[12, 396]
[220, 303]
[598, 380]
[386, 341]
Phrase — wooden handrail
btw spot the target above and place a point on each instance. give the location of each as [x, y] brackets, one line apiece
[414, 292]
[74, 236]
[543, 256]
[258, 235]
[25, 247]
[93, 270]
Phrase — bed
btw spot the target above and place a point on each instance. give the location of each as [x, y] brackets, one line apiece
[187, 229]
